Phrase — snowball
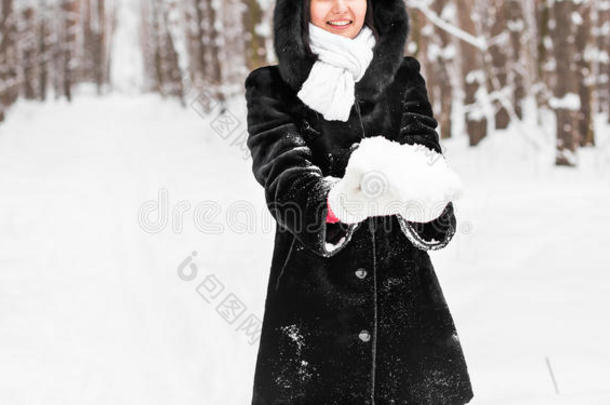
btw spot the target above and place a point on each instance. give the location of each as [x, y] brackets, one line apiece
[416, 178]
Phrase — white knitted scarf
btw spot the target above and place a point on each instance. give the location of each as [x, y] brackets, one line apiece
[329, 88]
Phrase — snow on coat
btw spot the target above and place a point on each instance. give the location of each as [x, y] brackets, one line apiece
[354, 313]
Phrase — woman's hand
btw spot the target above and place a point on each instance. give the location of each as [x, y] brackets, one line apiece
[383, 177]
[361, 194]
[428, 183]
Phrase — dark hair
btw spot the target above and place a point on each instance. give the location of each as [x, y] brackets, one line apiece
[369, 21]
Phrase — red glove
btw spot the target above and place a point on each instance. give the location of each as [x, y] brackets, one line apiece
[330, 216]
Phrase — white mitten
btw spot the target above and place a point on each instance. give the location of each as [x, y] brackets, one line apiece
[427, 184]
[366, 189]
[383, 177]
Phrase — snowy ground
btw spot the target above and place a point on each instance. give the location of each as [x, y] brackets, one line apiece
[92, 308]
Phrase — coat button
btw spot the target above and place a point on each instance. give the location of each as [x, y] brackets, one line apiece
[360, 273]
[364, 335]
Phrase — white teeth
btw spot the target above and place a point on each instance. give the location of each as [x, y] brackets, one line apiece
[339, 23]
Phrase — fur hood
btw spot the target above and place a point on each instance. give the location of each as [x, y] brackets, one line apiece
[391, 22]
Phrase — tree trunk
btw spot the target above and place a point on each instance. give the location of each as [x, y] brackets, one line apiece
[565, 100]
[214, 47]
[586, 82]
[602, 45]
[99, 41]
[545, 67]
[29, 56]
[43, 51]
[517, 67]
[69, 61]
[256, 52]
[8, 57]
[439, 61]
[472, 74]
[497, 59]
[234, 62]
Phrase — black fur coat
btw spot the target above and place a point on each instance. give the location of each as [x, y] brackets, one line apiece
[354, 314]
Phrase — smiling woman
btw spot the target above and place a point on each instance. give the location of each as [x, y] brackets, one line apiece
[354, 313]
[342, 17]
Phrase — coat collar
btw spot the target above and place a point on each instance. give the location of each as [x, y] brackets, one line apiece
[391, 21]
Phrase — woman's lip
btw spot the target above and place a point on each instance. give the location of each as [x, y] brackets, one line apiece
[339, 27]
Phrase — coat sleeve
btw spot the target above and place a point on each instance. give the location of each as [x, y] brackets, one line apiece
[296, 190]
[418, 126]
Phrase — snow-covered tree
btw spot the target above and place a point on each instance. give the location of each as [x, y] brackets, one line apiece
[566, 102]
[582, 18]
[436, 50]
[8, 56]
[482, 58]
[494, 26]
[473, 74]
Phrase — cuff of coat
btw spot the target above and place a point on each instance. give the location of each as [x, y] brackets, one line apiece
[334, 235]
[322, 238]
[431, 235]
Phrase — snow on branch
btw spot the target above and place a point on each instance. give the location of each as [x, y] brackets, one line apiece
[570, 101]
[478, 42]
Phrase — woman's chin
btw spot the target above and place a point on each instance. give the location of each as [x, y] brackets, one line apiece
[348, 33]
